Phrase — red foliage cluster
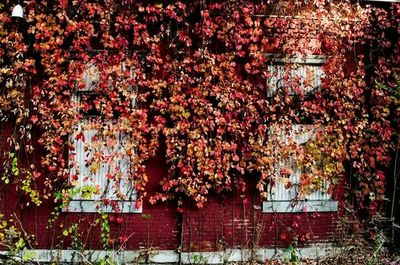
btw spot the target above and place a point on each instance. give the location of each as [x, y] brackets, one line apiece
[198, 73]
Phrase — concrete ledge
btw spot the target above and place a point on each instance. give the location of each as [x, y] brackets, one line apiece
[300, 206]
[170, 256]
[93, 206]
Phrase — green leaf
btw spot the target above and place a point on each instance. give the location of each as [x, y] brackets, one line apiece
[186, 115]
[20, 244]
[28, 256]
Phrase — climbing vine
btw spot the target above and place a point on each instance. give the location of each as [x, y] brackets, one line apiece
[118, 79]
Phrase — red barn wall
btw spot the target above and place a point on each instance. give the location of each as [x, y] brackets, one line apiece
[226, 221]
[237, 221]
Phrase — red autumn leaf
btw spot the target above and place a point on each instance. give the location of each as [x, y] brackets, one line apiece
[34, 119]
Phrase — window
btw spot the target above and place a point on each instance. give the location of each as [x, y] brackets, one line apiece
[295, 75]
[100, 157]
[284, 194]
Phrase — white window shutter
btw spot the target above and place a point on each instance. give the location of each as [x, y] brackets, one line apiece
[279, 77]
[113, 160]
[283, 198]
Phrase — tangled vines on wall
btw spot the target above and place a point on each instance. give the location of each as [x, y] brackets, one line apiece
[198, 74]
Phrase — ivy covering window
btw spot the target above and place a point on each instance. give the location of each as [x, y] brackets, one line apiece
[298, 187]
[101, 151]
[296, 76]
[299, 75]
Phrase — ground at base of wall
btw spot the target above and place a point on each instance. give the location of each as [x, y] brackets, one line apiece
[316, 254]
[334, 261]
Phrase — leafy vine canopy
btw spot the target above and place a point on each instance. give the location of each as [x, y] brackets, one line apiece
[229, 87]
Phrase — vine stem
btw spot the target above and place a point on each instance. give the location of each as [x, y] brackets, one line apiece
[84, 258]
[124, 242]
[25, 233]
[395, 176]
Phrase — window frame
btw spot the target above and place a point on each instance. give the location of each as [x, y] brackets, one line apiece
[107, 204]
[275, 205]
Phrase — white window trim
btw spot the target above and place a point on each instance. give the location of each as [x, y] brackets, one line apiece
[94, 206]
[81, 205]
[300, 206]
[299, 59]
